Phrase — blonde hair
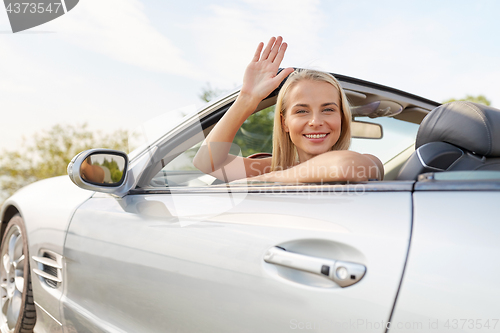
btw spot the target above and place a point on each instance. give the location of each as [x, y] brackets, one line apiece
[284, 150]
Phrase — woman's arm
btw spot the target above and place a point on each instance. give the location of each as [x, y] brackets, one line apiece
[379, 165]
[341, 165]
[259, 81]
[214, 152]
[93, 173]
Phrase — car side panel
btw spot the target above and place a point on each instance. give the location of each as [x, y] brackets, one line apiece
[46, 207]
[451, 279]
[155, 263]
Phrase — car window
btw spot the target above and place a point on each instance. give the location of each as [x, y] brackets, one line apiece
[181, 172]
[398, 135]
[255, 136]
[256, 133]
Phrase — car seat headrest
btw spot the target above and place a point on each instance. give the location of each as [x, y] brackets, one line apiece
[471, 126]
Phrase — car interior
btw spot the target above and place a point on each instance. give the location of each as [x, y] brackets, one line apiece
[387, 123]
[457, 136]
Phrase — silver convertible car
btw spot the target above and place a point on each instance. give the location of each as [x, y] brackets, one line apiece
[159, 246]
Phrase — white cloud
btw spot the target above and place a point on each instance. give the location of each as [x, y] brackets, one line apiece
[42, 82]
[418, 56]
[387, 52]
[228, 35]
[121, 30]
[436, 59]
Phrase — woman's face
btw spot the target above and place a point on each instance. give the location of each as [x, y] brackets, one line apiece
[313, 117]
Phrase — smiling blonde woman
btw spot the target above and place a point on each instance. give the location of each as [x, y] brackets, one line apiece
[311, 128]
[284, 150]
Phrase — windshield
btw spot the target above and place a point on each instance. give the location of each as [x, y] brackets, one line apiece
[397, 136]
[255, 136]
[153, 129]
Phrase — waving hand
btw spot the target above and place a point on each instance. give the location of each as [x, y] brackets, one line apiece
[259, 81]
[260, 76]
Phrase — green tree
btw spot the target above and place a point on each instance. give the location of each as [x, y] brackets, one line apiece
[255, 135]
[49, 152]
[475, 99]
[114, 170]
[209, 92]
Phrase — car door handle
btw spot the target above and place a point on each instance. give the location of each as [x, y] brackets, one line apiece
[343, 273]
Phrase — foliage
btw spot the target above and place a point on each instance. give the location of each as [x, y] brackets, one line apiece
[49, 152]
[114, 170]
[481, 99]
[256, 133]
[208, 93]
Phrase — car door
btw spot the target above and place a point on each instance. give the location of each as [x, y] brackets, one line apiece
[451, 279]
[191, 259]
[184, 253]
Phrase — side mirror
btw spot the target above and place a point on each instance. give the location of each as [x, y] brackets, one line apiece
[101, 170]
[366, 130]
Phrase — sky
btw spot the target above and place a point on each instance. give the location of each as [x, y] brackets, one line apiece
[114, 64]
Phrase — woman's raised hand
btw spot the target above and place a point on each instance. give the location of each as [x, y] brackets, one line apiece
[259, 81]
[260, 76]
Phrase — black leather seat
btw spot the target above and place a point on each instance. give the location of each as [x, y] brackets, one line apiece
[456, 136]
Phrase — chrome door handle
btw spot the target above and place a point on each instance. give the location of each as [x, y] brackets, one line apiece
[343, 273]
